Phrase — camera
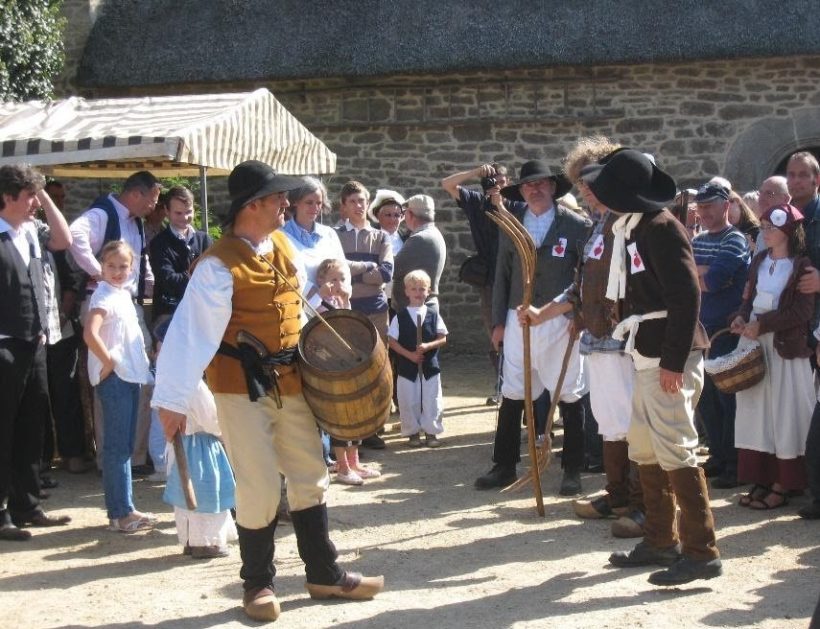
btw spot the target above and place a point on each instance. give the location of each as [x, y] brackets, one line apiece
[488, 182]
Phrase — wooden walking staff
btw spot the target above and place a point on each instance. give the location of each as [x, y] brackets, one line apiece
[525, 247]
[421, 367]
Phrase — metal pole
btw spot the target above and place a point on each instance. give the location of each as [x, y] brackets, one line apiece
[203, 196]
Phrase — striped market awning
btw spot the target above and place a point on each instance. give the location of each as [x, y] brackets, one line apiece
[171, 135]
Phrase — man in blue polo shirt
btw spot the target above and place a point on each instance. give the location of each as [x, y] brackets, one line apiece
[722, 258]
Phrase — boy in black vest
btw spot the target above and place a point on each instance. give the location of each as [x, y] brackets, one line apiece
[415, 334]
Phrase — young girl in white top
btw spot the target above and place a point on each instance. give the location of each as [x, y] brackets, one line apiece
[333, 280]
[117, 367]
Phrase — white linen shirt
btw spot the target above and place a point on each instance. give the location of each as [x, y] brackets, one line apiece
[539, 226]
[196, 332]
[121, 334]
[88, 232]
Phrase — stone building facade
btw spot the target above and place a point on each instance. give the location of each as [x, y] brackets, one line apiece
[735, 117]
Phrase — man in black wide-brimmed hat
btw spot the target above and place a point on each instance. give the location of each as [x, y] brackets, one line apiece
[558, 234]
[247, 281]
[653, 271]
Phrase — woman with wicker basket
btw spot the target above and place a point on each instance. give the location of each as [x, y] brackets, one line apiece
[773, 416]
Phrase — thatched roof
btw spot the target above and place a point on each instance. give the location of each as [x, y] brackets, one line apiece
[152, 42]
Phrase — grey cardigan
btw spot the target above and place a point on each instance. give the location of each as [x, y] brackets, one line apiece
[554, 268]
[424, 249]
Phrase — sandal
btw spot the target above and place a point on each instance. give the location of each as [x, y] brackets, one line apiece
[763, 504]
[758, 492]
[131, 526]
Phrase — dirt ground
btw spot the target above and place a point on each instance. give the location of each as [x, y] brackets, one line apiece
[452, 556]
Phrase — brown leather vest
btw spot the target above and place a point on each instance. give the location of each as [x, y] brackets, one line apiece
[263, 304]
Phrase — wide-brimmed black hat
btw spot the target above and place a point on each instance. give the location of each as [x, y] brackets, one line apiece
[253, 180]
[630, 181]
[532, 171]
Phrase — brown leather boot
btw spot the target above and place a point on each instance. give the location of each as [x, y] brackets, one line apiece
[616, 468]
[700, 559]
[631, 524]
[660, 540]
[659, 528]
[697, 526]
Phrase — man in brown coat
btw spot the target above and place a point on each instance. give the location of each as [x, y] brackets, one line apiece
[653, 271]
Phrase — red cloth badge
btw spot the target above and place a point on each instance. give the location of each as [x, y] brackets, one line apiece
[597, 247]
[636, 264]
[560, 249]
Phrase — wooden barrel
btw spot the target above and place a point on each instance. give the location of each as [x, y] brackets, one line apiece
[348, 390]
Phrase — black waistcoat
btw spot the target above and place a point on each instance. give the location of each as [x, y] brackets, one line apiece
[22, 307]
[407, 339]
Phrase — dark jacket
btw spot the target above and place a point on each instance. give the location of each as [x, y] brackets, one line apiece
[553, 273]
[667, 280]
[171, 259]
[790, 322]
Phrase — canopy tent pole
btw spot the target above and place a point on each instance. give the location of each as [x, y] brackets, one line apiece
[203, 196]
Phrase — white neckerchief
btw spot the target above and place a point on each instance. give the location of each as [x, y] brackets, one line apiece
[621, 230]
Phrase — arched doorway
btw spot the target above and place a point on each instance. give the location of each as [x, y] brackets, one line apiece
[781, 167]
[764, 146]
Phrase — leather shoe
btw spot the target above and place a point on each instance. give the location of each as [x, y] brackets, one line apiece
[499, 476]
[10, 533]
[570, 483]
[645, 555]
[40, 519]
[48, 482]
[726, 480]
[352, 586]
[261, 604]
[811, 511]
[685, 570]
[630, 525]
[593, 509]
[208, 552]
[374, 442]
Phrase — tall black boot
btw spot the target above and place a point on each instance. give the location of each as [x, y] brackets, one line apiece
[256, 551]
[315, 547]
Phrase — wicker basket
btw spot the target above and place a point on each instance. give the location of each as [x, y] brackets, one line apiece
[746, 373]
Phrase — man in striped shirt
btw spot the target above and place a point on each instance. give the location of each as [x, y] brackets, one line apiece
[722, 258]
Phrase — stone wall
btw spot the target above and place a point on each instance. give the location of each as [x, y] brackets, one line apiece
[738, 118]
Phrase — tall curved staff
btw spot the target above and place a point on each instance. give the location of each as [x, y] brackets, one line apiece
[525, 247]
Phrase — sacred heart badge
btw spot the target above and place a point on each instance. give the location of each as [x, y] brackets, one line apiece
[635, 261]
[560, 249]
[597, 247]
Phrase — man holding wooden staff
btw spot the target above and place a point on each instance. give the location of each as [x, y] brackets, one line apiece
[247, 283]
[557, 233]
[653, 271]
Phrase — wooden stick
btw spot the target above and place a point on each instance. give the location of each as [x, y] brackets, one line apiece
[313, 310]
[525, 247]
[184, 474]
[421, 367]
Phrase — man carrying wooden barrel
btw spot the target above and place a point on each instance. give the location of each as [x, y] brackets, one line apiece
[230, 291]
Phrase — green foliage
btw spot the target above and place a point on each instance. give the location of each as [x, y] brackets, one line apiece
[31, 48]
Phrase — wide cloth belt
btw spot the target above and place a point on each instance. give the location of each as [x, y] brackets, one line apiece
[630, 326]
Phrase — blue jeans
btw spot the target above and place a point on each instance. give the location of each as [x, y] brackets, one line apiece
[120, 403]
